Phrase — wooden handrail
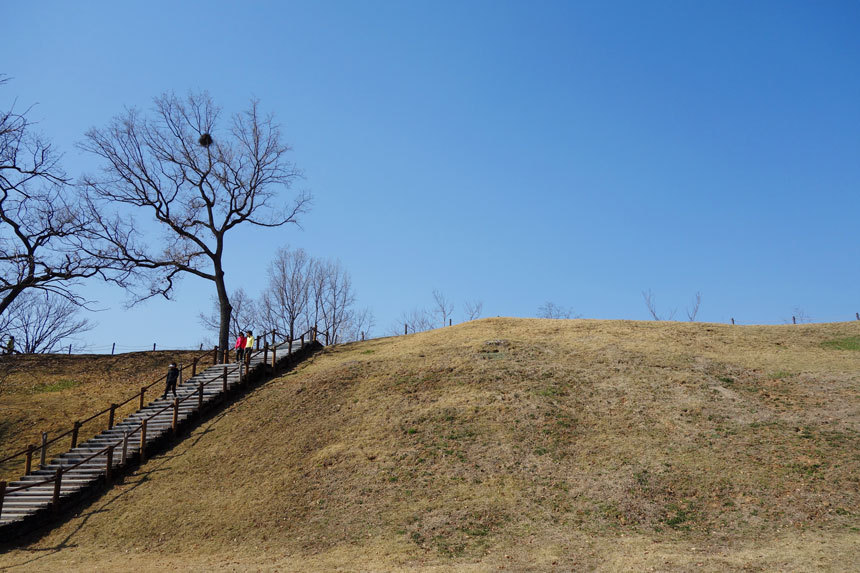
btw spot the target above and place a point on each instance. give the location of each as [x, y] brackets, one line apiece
[96, 415]
[127, 434]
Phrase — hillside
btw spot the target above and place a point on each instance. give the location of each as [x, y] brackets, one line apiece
[510, 444]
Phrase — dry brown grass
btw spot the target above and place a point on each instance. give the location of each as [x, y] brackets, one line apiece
[525, 445]
[48, 392]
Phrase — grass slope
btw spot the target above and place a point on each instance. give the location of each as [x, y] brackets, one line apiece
[510, 444]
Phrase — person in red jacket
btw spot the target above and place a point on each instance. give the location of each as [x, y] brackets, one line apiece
[240, 347]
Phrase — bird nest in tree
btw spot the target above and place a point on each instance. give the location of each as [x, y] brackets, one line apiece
[205, 140]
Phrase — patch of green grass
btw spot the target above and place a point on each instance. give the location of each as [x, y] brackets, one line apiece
[780, 375]
[680, 515]
[726, 379]
[848, 343]
[57, 386]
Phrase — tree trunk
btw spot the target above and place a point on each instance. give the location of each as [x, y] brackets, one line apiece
[225, 308]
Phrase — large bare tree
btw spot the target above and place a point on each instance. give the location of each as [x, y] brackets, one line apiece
[198, 180]
[42, 220]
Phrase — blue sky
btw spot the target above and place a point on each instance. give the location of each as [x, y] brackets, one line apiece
[509, 152]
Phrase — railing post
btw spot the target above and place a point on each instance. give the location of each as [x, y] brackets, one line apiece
[124, 447]
[214, 356]
[143, 441]
[44, 453]
[179, 382]
[274, 355]
[258, 344]
[303, 339]
[142, 392]
[175, 414]
[200, 396]
[29, 463]
[58, 481]
[266, 353]
[111, 416]
[75, 429]
[194, 367]
[2, 495]
[224, 377]
[226, 355]
[109, 464]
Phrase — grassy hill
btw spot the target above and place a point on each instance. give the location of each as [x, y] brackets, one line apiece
[510, 444]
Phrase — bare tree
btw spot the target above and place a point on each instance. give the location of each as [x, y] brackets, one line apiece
[552, 310]
[443, 308]
[338, 299]
[652, 308]
[42, 220]
[416, 320]
[473, 309]
[694, 309]
[360, 325]
[285, 300]
[39, 321]
[197, 180]
[243, 318]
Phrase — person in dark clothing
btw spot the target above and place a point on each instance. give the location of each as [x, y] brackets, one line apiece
[172, 377]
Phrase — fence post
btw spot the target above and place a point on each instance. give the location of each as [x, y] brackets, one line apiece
[112, 348]
[142, 392]
[226, 356]
[405, 329]
[175, 414]
[44, 449]
[179, 382]
[2, 495]
[143, 441]
[58, 479]
[214, 356]
[303, 339]
[153, 347]
[194, 367]
[75, 429]
[109, 463]
[266, 353]
[29, 463]
[274, 355]
[111, 416]
[124, 446]
[200, 396]
[258, 344]
[224, 377]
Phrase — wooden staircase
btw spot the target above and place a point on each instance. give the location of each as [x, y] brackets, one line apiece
[85, 469]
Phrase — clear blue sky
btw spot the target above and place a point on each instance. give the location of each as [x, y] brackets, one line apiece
[510, 152]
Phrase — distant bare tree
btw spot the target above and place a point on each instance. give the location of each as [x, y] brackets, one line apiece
[443, 308]
[652, 309]
[285, 300]
[473, 309]
[42, 220]
[552, 310]
[337, 300]
[694, 309]
[41, 320]
[800, 316]
[244, 317]
[196, 181]
[416, 320]
[360, 325]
